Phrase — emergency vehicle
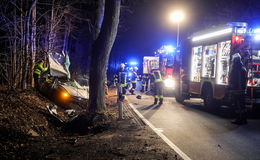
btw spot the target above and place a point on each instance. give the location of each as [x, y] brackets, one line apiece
[253, 89]
[210, 52]
[163, 60]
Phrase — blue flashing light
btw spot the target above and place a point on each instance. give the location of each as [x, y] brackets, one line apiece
[133, 63]
[169, 48]
[257, 37]
[129, 74]
[256, 30]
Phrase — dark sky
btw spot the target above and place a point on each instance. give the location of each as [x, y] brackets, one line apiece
[147, 28]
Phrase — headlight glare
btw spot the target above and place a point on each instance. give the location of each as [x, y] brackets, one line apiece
[169, 83]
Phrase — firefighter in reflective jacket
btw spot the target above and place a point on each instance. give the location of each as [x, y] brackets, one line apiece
[38, 69]
[122, 82]
[134, 79]
[145, 79]
[156, 78]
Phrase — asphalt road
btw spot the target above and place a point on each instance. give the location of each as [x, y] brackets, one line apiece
[200, 133]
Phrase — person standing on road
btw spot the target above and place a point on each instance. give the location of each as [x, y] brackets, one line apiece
[122, 82]
[238, 84]
[156, 79]
[134, 79]
[38, 69]
[145, 80]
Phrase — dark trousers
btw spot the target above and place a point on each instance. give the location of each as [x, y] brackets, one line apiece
[144, 85]
[36, 80]
[158, 90]
[122, 92]
[133, 87]
[239, 106]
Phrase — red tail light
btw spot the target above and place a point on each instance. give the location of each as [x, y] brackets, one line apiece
[237, 39]
[252, 82]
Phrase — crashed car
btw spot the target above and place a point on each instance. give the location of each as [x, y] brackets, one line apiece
[56, 84]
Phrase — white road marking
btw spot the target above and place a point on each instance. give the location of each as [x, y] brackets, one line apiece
[159, 129]
[166, 140]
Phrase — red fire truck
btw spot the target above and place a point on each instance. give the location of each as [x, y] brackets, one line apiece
[163, 60]
[207, 71]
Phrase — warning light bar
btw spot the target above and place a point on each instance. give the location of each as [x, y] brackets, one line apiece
[212, 34]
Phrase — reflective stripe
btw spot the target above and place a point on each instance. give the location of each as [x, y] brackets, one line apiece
[122, 79]
[134, 77]
[160, 96]
[39, 68]
[123, 85]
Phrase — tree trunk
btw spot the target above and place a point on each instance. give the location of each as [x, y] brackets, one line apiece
[99, 18]
[14, 52]
[27, 74]
[33, 38]
[100, 55]
[51, 33]
[21, 62]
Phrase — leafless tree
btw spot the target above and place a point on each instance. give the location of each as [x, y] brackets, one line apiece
[30, 27]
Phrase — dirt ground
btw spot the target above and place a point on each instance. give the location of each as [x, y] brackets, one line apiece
[29, 131]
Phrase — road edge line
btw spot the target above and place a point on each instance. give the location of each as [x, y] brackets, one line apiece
[166, 140]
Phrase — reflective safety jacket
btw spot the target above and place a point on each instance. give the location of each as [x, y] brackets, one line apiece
[157, 77]
[122, 78]
[39, 69]
[134, 77]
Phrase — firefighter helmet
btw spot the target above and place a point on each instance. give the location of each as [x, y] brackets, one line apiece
[122, 65]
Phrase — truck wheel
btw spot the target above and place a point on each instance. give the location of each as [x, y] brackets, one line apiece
[178, 94]
[179, 99]
[208, 98]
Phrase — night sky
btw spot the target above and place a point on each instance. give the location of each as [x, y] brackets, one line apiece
[147, 28]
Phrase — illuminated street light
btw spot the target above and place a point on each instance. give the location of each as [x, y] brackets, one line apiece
[177, 17]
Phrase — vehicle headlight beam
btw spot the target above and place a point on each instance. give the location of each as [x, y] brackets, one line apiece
[169, 83]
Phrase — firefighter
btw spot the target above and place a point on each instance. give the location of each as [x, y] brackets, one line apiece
[156, 78]
[122, 82]
[145, 80]
[238, 84]
[38, 69]
[134, 79]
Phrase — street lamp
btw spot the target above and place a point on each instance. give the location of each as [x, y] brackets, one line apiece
[177, 17]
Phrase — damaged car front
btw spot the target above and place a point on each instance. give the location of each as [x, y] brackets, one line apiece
[57, 85]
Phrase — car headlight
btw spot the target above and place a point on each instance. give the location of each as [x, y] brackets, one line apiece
[169, 83]
[65, 95]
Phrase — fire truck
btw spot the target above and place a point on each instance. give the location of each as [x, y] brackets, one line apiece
[209, 56]
[163, 60]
